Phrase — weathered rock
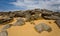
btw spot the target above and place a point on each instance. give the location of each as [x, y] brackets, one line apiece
[28, 17]
[50, 17]
[6, 26]
[3, 33]
[46, 27]
[19, 22]
[20, 14]
[11, 14]
[39, 28]
[4, 20]
[36, 16]
[58, 23]
[32, 22]
[42, 27]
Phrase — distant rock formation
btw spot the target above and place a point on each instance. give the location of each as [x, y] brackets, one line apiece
[30, 15]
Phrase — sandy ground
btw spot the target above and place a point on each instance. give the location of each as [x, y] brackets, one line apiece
[28, 29]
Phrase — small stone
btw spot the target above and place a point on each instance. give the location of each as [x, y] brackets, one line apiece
[32, 22]
[3, 33]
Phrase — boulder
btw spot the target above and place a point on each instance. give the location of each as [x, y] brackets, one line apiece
[19, 22]
[3, 33]
[57, 23]
[4, 20]
[36, 16]
[6, 26]
[42, 27]
[50, 17]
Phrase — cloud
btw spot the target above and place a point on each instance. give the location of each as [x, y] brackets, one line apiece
[32, 4]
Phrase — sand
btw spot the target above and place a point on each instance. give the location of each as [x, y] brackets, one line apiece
[28, 29]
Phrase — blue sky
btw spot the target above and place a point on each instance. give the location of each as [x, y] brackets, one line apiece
[13, 5]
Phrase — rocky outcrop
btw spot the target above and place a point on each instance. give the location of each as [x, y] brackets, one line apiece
[5, 20]
[30, 15]
[19, 22]
[50, 17]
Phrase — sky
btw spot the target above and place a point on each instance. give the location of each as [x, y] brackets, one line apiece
[13, 5]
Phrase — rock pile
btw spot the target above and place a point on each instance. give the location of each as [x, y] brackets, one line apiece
[33, 14]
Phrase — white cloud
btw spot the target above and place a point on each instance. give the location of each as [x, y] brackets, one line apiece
[32, 4]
